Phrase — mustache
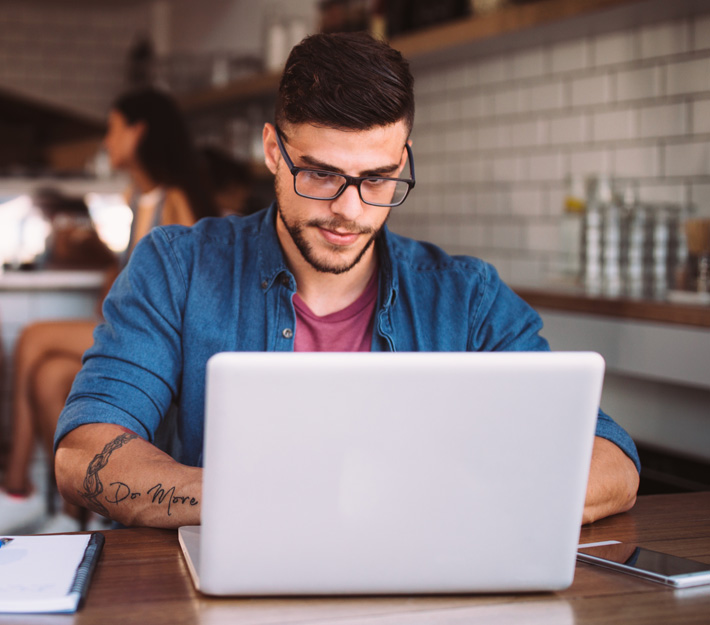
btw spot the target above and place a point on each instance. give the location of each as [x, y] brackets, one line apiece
[339, 224]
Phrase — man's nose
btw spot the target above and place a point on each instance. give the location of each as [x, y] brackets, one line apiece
[348, 205]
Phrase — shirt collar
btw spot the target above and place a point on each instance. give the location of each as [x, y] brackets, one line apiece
[271, 259]
[388, 274]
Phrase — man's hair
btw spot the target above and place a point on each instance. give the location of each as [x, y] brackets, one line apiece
[347, 81]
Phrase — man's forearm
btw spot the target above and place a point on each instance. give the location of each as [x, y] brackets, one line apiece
[123, 477]
[613, 482]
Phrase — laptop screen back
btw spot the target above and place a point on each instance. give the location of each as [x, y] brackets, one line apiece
[395, 473]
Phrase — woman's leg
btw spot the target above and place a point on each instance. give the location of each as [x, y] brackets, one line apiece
[37, 341]
[50, 387]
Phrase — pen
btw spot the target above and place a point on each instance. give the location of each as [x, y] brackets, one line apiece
[5, 541]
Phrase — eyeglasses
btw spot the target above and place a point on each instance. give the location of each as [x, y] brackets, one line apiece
[316, 184]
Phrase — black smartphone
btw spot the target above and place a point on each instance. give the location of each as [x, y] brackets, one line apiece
[651, 565]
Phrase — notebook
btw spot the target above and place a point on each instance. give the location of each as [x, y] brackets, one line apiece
[47, 573]
[393, 473]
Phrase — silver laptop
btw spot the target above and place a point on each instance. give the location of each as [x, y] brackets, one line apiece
[376, 473]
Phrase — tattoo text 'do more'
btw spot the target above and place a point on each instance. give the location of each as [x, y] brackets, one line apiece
[120, 491]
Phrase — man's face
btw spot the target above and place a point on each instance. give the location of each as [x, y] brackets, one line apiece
[332, 236]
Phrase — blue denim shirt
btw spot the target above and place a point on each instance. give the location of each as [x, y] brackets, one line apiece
[223, 285]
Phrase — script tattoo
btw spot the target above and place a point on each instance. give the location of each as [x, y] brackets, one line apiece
[160, 495]
[93, 487]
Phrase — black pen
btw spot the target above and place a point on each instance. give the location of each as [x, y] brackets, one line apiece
[5, 541]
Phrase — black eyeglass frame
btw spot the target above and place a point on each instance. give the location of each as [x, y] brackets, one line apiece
[349, 180]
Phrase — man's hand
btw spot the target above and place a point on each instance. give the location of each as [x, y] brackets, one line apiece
[114, 472]
[613, 482]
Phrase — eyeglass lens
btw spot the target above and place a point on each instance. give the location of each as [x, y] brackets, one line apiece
[322, 185]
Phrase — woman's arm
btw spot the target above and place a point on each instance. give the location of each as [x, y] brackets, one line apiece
[177, 210]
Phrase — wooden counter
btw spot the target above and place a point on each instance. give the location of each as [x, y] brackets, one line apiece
[577, 300]
[45, 280]
[657, 356]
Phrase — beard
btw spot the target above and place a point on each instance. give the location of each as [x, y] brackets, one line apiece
[338, 265]
[296, 231]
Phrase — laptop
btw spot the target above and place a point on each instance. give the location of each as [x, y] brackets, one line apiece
[393, 473]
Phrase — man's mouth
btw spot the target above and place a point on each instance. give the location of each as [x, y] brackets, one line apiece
[340, 238]
[340, 232]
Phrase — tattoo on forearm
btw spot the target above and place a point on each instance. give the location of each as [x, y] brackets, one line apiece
[158, 494]
[120, 491]
[93, 487]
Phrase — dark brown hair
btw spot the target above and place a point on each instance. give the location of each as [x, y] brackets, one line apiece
[348, 81]
[166, 150]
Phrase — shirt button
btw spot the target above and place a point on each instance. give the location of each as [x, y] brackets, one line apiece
[287, 333]
[264, 284]
[285, 281]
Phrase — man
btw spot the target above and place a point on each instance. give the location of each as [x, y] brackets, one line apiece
[317, 270]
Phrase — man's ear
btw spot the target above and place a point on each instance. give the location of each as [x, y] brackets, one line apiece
[271, 148]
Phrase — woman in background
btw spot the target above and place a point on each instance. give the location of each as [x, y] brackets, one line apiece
[148, 138]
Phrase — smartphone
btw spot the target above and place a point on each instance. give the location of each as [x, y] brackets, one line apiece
[651, 565]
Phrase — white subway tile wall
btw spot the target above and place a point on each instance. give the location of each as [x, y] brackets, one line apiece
[71, 55]
[664, 39]
[688, 77]
[666, 120]
[638, 84]
[701, 116]
[701, 33]
[615, 48]
[496, 137]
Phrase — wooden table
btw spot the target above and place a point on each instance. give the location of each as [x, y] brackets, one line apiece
[142, 578]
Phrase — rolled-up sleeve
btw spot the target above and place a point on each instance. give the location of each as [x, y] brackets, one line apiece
[131, 374]
[612, 431]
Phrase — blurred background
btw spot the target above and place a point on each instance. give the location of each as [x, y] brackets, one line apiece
[565, 141]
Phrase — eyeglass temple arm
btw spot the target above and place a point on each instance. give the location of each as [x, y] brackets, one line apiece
[410, 156]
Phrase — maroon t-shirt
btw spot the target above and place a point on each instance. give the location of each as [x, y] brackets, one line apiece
[347, 330]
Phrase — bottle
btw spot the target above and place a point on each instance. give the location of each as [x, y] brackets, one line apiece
[661, 236]
[378, 20]
[571, 228]
[633, 240]
[611, 246]
[678, 253]
[598, 198]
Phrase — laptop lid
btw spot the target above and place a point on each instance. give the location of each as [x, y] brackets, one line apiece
[377, 473]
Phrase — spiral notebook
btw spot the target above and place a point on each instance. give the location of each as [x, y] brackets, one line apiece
[47, 573]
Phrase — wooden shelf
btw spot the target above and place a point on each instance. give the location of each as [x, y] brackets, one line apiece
[510, 19]
[578, 301]
[437, 39]
[35, 132]
[250, 88]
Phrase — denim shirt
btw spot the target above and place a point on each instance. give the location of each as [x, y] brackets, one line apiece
[223, 285]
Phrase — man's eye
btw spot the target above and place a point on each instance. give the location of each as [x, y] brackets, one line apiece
[316, 175]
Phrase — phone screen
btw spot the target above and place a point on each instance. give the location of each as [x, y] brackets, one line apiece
[647, 563]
